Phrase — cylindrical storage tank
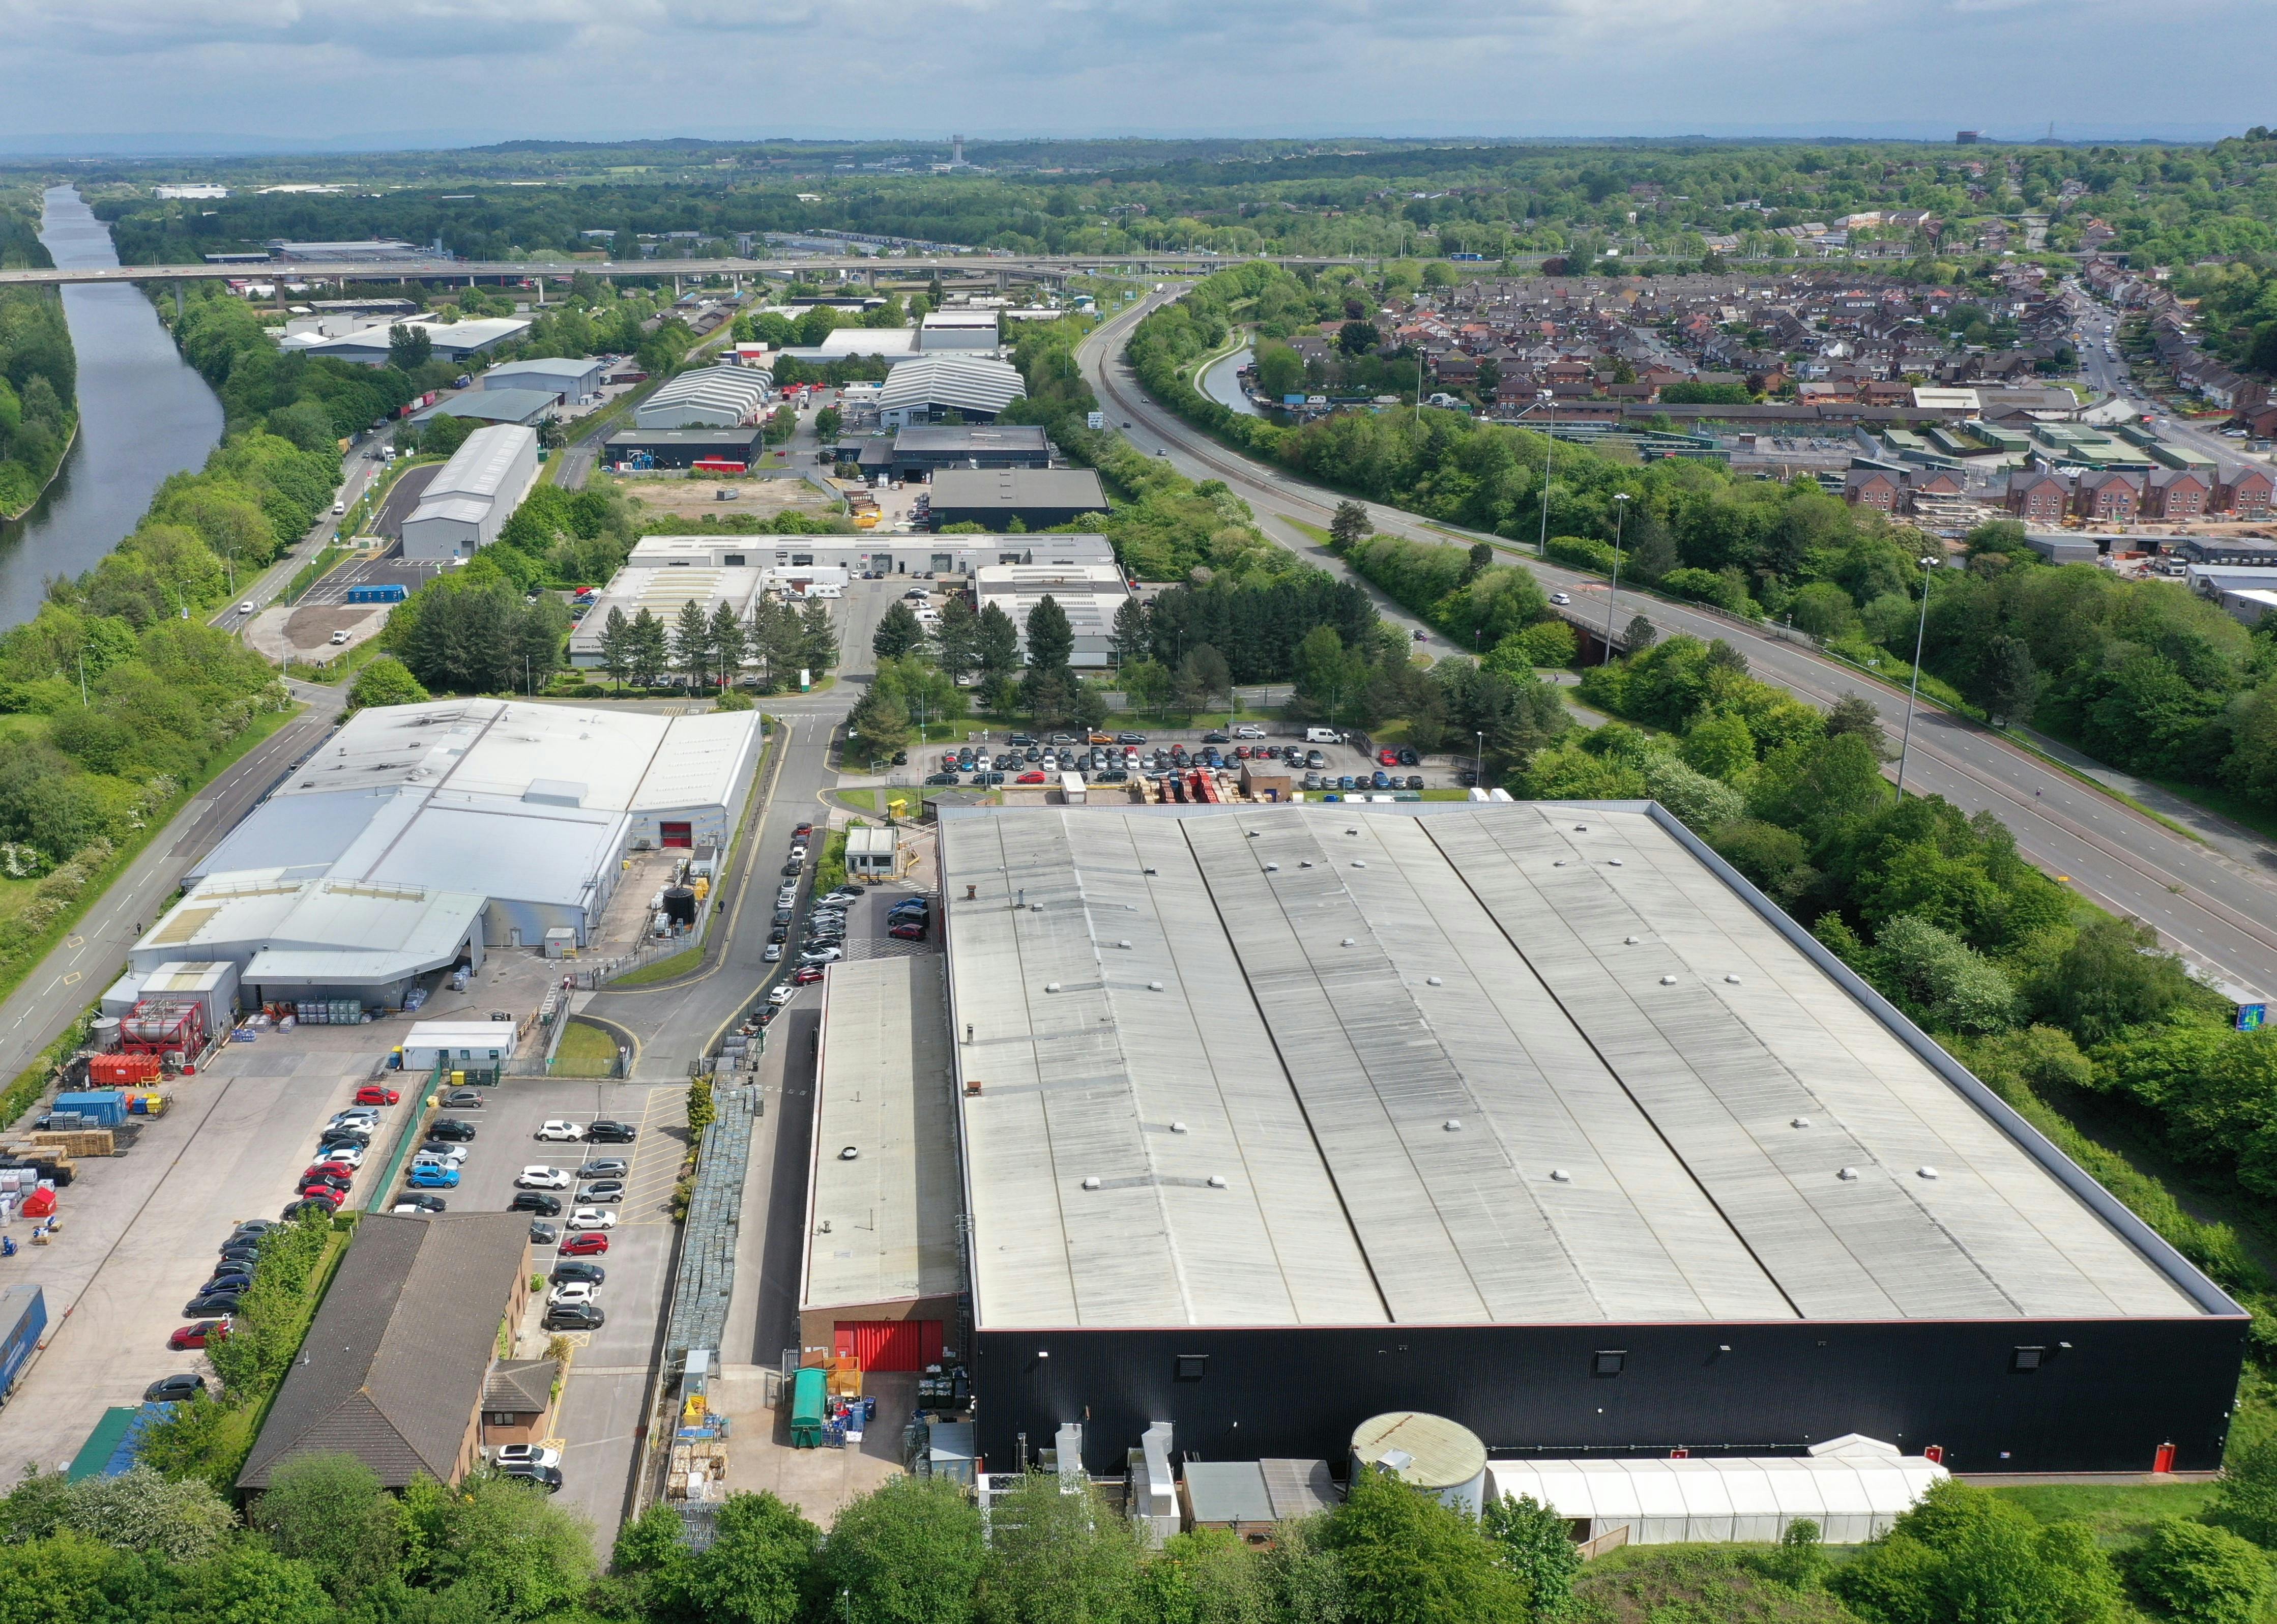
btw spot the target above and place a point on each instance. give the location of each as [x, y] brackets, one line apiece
[102, 1035]
[1433, 1454]
[680, 906]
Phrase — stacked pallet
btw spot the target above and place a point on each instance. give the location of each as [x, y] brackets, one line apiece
[69, 1142]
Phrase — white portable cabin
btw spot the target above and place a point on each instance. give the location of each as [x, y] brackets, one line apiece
[459, 1044]
[1854, 1488]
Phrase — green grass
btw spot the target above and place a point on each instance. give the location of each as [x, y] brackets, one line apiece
[664, 970]
[584, 1044]
[865, 800]
[1314, 530]
[2118, 1512]
[1444, 794]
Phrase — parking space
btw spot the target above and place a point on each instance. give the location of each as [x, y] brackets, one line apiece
[1039, 758]
[389, 567]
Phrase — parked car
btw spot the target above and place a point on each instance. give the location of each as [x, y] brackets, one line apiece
[452, 1129]
[770, 953]
[578, 1292]
[821, 956]
[933, 779]
[607, 1131]
[341, 1171]
[414, 1203]
[542, 1178]
[785, 991]
[608, 1167]
[589, 1244]
[433, 1176]
[227, 1280]
[373, 1094]
[557, 1129]
[315, 1180]
[1030, 778]
[571, 1269]
[575, 1316]
[805, 975]
[1415, 781]
[543, 1234]
[464, 1100]
[592, 1218]
[605, 1190]
[172, 1389]
[323, 1195]
[205, 1333]
[295, 1209]
[537, 1202]
[1387, 756]
[218, 1302]
[907, 931]
[524, 1454]
[845, 894]
[1408, 757]
[546, 1477]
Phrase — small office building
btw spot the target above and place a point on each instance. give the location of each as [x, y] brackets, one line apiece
[1037, 497]
[662, 591]
[871, 850]
[1090, 594]
[684, 447]
[471, 498]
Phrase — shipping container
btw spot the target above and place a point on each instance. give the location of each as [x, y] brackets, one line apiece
[97, 1107]
[392, 591]
[23, 1317]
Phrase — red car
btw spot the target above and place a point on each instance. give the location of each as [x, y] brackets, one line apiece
[806, 975]
[804, 828]
[198, 1334]
[907, 933]
[1029, 778]
[1389, 758]
[341, 1171]
[373, 1094]
[590, 1243]
[323, 1192]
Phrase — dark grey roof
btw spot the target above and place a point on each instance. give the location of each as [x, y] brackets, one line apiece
[524, 1386]
[972, 437]
[396, 1362]
[1018, 487]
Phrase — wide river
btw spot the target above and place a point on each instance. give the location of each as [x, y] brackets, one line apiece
[144, 414]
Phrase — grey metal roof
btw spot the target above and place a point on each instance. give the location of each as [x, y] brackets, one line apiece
[1460, 1064]
[1018, 487]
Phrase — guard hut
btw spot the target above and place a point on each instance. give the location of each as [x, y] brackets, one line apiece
[872, 851]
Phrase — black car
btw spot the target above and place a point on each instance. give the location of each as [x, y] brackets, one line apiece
[1020, 738]
[780, 933]
[306, 1210]
[784, 916]
[535, 1201]
[1218, 736]
[575, 1316]
[901, 758]
[792, 870]
[451, 1128]
[941, 778]
[1408, 757]
[228, 1280]
[547, 1477]
[543, 1234]
[421, 1200]
[605, 1130]
[210, 1306]
[1415, 781]
[245, 1252]
[577, 1268]
[1130, 738]
[167, 1389]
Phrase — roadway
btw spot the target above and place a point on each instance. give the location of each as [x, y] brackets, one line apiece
[2111, 376]
[2217, 910]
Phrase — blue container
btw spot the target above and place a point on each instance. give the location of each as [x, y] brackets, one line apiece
[23, 1316]
[104, 1107]
[392, 592]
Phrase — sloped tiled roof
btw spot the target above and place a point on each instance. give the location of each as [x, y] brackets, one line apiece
[397, 1359]
[524, 1386]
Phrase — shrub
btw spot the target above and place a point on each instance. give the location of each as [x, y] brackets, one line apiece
[2204, 1574]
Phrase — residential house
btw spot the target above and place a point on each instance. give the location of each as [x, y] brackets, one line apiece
[2036, 497]
[2244, 492]
[2108, 497]
[1872, 487]
[2176, 494]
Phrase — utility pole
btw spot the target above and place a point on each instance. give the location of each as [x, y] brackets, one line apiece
[1913, 692]
[1620, 511]
[1548, 450]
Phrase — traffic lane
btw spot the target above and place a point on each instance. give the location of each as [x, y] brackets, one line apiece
[1970, 768]
[402, 497]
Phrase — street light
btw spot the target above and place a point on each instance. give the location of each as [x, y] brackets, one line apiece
[1549, 447]
[1914, 692]
[1479, 758]
[1620, 511]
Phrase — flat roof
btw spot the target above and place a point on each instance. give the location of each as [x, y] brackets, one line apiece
[1452, 1063]
[500, 406]
[884, 1092]
[972, 437]
[1018, 487]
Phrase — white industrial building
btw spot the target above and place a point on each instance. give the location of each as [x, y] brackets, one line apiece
[575, 382]
[959, 329]
[978, 388]
[471, 498]
[861, 554]
[1090, 593]
[710, 397]
[367, 345]
[419, 835]
[663, 591]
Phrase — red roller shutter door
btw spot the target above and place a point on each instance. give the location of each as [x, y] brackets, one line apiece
[674, 834]
[889, 1345]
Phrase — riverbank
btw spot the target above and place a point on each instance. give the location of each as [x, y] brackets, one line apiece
[70, 439]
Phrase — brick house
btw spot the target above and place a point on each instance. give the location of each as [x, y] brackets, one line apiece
[2036, 497]
[2107, 498]
[2176, 494]
[1871, 487]
[2244, 494]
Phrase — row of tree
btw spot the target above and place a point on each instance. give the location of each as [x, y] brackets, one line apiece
[713, 650]
[38, 370]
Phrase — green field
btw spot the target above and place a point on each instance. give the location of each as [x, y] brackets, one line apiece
[664, 970]
[585, 1045]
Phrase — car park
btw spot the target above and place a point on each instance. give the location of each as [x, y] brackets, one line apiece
[374, 1093]
[537, 1202]
[592, 1218]
[205, 1333]
[172, 1389]
[589, 1244]
[557, 1129]
[608, 1130]
[451, 1128]
[542, 1178]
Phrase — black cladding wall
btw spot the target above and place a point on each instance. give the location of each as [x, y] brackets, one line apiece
[1996, 1396]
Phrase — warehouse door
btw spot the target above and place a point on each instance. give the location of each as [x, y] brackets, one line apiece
[674, 834]
[889, 1345]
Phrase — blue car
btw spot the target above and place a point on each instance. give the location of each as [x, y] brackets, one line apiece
[434, 1179]
[1345, 781]
[1382, 780]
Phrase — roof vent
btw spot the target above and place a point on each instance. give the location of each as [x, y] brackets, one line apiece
[1668, 980]
[1154, 986]
[1125, 943]
[1581, 828]
[1924, 1172]
[1453, 1124]
[1177, 1127]
[1612, 862]
[1051, 987]
[1273, 868]
[1848, 1173]
[1035, 907]
[1560, 1176]
[1432, 981]
[1253, 833]
[1147, 871]
[1558, 863]
[1090, 1183]
[1305, 862]
[1346, 942]
[1734, 980]
[1629, 941]
[1360, 862]
[1800, 1122]
[1351, 831]
[1217, 1181]
[850, 1154]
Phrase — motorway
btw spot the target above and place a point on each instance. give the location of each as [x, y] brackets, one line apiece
[2215, 906]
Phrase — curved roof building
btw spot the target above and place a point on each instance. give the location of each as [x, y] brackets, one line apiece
[975, 386]
[708, 398]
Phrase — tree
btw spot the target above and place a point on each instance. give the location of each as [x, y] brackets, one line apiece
[2245, 1502]
[142, 1509]
[409, 349]
[909, 1552]
[1131, 639]
[1408, 1558]
[648, 644]
[2113, 977]
[996, 645]
[331, 1512]
[827, 422]
[1202, 677]
[500, 1536]
[617, 654]
[725, 642]
[248, 1583]
[1358, 338]
[1856, 713]
[2010, 680]
[2206, 1576]
[1350, 525]
[1941, 979]
[1640, 635]
[1961, 1555]
[385, 680]
[818, 637]
[1051, 639]
[898, 632]
[1533, 1546]
[691, 643]
[879, 721]
[757, 1569]
[1055, 1556]
[1720, 745]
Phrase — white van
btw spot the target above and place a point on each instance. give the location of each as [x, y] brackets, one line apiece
[1323, 736]
[825, 592]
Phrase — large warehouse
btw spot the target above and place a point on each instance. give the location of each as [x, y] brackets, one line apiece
[894, 555]
[976, 387]
[1533, 1115]
[472, 496]
[419, 835]
[1038, 498]
[708, 398]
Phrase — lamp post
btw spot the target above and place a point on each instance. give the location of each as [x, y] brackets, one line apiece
[1478, 757]
[1548, 449]
[1620, 513]
[1913, 690]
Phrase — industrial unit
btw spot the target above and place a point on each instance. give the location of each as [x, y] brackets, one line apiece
[572, 382]
[977, 388]
[368, 345]
[527, 406]
[684, 447]
[1035, 499]
[920, 450]
[473, 495]
[898, 555]
[420, 835]
[1534, 1115]
[661, 591]
[1090, 594]
[707, 398]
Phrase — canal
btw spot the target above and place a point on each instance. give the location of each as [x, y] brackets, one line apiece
[143, 414]
[1222, 383]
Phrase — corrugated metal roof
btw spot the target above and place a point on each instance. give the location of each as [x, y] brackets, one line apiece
[1454, 1063]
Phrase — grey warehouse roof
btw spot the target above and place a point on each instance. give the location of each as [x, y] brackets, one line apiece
[965, 381]
[1014, 488]
[1448, 1064]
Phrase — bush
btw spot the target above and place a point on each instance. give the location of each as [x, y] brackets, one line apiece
[1726, 589]
[1582, 552]
[385, 680]
[2206, 1576]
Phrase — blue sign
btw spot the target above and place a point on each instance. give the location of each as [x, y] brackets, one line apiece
[2250, 1016]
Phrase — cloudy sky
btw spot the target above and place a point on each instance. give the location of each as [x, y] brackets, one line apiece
[429, 73]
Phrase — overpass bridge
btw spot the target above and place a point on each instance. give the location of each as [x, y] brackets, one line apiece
[870, 267]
